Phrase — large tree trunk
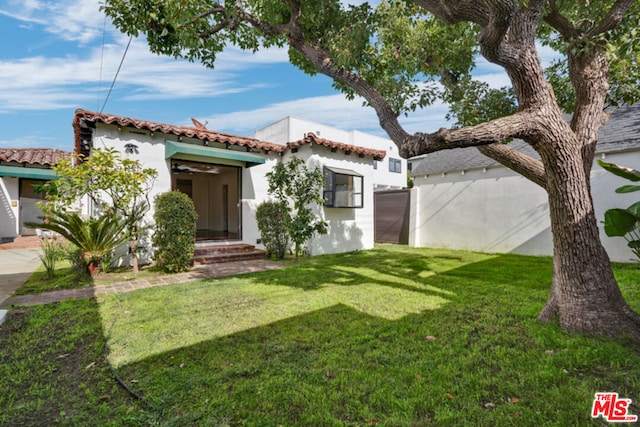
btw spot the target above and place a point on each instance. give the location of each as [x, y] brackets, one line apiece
[584, 295]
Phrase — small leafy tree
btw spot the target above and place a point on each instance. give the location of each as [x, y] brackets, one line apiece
[272, 217]
[624, 222]
[175, 234]
[114, 184]
[299, 187]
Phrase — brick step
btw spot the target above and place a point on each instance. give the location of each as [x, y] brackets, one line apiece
[229, 257]
[210, 253]
[216, 248]
[22, 242]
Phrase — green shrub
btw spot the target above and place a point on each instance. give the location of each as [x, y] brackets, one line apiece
[271, 217]
[174, 239]
[624, 222]
[299, 188]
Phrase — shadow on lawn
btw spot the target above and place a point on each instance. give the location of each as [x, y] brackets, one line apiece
[404, 268]
[53, 369]
[383, 284]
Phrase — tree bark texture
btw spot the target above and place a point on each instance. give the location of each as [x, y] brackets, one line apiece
[584, 295]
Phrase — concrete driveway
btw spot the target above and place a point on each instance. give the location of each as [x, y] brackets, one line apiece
[16, 265]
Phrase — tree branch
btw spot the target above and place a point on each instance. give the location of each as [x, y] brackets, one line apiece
[232, 21]
[321, 59]
[569, 31]
[559, 22]
[613, 18]
[527, 166]
[518, 125]
[478, 12]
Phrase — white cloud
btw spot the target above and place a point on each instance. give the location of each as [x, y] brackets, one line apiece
[71, 20]
[334, 110]
[31, 141]
[56, 82]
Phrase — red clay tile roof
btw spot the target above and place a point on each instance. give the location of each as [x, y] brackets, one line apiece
[311, 138]
[38, 156]
[83, 118]
[203, 134]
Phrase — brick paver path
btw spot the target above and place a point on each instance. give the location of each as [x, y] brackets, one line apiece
[198, 273]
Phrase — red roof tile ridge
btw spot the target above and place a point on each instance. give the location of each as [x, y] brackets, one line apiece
[312, 138]
[205, 134]
[201, 133]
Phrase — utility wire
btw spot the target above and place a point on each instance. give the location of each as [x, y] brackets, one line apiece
[104, 32]
[117, 72]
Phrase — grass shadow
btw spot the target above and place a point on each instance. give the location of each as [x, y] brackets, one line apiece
[54, 372]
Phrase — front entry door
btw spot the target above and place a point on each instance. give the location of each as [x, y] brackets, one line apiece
[215, 191]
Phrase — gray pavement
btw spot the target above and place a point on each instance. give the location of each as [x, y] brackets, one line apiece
[16, 265]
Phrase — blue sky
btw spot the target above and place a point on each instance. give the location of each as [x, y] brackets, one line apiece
[60, 55]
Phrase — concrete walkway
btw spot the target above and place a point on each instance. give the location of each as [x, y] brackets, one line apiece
[198, 273]
[16, 265]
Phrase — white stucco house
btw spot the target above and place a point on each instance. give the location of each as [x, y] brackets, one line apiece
[464, 200]
[225, 175]
[21, 169]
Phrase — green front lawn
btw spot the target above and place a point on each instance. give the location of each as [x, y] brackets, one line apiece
[393, 336]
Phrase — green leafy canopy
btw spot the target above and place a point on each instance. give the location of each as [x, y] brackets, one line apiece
[408, 56]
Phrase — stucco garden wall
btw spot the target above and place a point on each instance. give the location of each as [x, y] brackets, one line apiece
[497, 210]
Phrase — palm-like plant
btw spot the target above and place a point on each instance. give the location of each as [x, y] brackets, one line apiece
[624, 222]
[96, 237]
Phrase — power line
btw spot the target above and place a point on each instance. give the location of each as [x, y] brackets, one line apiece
[117, 72]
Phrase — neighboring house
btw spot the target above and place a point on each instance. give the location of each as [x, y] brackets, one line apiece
[20, 170]
[465, 200]
[225, 175]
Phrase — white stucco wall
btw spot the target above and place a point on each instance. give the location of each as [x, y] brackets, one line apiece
[255, 191]
[497, 210]
[151, 154]
[9, 214]
[350, 229]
